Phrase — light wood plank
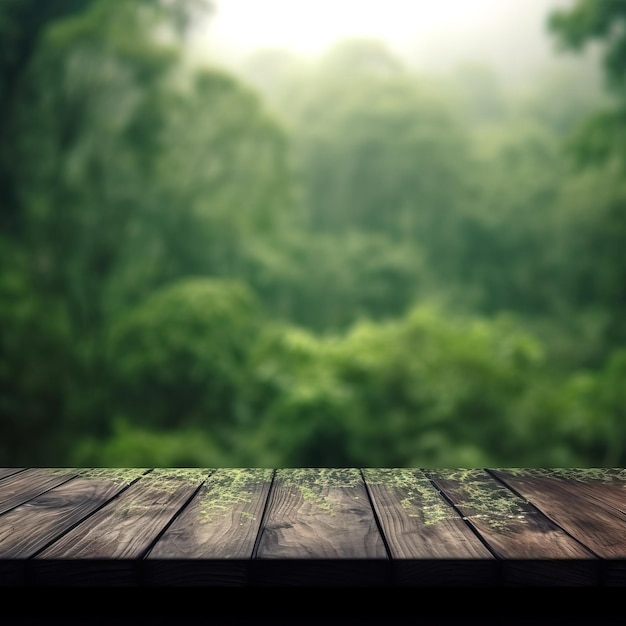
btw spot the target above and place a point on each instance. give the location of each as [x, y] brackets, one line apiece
[9, 471]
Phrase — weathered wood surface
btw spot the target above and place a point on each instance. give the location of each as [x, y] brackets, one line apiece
[320, 516]
[305, 527]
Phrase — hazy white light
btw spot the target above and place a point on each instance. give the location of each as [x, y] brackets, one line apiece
[311, 26]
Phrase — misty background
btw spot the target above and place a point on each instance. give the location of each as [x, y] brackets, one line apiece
[264, 233]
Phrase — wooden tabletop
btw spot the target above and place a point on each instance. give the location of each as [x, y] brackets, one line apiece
[307, 527]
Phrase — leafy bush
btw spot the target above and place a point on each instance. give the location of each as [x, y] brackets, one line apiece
[179, 358]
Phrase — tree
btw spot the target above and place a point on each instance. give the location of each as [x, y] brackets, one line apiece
[599, 22]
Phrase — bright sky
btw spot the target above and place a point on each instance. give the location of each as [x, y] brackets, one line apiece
[311, 26]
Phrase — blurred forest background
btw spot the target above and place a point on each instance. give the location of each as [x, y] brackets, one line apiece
[333, 262]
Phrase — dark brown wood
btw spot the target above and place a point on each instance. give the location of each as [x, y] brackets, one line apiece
[596, 525]
[565, 497]
[535, 550]
[123, 530]
[24, 486]
[323, 518]
[427, 538]
[30, 527]
[212, 541]
[312, 527]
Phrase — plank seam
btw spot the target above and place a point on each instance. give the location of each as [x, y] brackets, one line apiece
[16, 472]
[543, 513]
[87, 516]
[36, 495]
[376, 518]
[179, 512]
[465, 520]
[259, 534]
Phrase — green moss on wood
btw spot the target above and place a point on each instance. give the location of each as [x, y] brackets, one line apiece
[314, 484]
[591, 474]
[484, 498]
[118, 476]
[228, 488]
[418, 497]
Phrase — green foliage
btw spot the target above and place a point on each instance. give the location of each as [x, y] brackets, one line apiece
[35, 363]
[132, 446]
[178, 359]
[595, 20]
[333, 263]
[599, 22]
[419, 391]
[326, 281]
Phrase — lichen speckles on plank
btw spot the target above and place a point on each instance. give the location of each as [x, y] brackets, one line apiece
[118, 476]
[159, 485]
[418, 497]
[484, 498]
[229, 487]
[171, 478]
[314, 483]
[588, 474]
[62, 471]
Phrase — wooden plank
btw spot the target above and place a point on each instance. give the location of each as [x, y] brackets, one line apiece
[322, 518]
[608, 485]
[590, 520]
[9, 471]
[212, 541]
[30, 527]
[23, 486]
[600, 527]
[427, 538]
[534, 549]
[123, 530]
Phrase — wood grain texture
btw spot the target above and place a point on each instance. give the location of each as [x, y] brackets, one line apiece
[534, 549]
[31, 526]
[429, 542]
[24, 486]
[511, 527]
[212, 541]
[416, 520]
[309, 527]
[607, 485]
[595, 524]
[320, 514]
[126, 527]
[9, 471]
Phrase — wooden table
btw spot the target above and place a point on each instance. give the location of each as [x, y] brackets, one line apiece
[304, 527]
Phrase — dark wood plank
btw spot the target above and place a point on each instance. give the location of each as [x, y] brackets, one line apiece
[9, 471]
[212, 541]
[30, 527]
[599, 526]
[23, 486]
[608, 485]
[534, 549]
[321, 517]
[427, 538]
[118, 533]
